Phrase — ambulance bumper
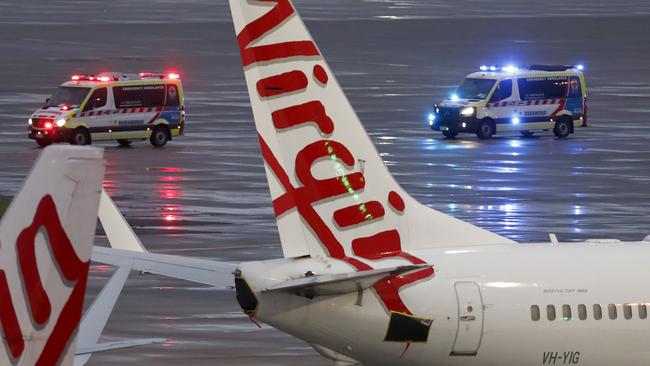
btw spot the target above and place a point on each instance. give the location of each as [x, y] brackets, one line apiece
[460, 124]
[54, 134]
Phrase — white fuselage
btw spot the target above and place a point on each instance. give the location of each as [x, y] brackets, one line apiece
[480, 300]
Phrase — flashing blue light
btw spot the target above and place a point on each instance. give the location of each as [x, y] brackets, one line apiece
[580, 67]
[510, 68]
[454, 98]
[515, 120]
[483, 68]
[493, 68]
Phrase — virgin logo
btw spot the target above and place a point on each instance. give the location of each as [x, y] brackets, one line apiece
[303, 198]
[73, 273]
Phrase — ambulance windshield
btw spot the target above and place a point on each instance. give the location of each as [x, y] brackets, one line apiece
[67, 95]
[475, 88]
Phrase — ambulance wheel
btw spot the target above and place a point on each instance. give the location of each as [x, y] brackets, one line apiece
[562, 128]
[124, 143]
[527, 133]
[159, 136]
[485, 130]
[80, 136]
[450, 134]
[43, 142]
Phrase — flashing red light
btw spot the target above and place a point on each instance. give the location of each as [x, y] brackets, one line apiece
[75, 77]
[91, 78]
[104, 78]
[145, 74]
[173, 76]
[64, 107]
[48, 124]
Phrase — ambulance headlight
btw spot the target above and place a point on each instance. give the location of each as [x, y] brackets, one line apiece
[29, 121]
[60, 122]
[467, 112]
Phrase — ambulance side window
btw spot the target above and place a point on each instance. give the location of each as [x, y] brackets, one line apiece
[128, 96]
[173, 99]
[542, 87]
[503, 91]
[97, 99]
[153, 96]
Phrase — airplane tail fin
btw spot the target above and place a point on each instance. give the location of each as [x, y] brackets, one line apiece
[45, 244]
[332, 193]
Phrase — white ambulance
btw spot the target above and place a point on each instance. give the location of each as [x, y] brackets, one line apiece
[538, 98]
[112, 106]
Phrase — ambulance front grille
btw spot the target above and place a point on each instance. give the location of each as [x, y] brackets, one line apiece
[449, 114]
[40, 122]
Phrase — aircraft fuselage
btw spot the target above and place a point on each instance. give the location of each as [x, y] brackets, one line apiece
[525, 304]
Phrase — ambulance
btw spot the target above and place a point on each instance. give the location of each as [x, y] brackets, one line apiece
[112, 106]
[500, 99]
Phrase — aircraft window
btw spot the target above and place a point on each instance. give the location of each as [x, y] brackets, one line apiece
[534, 313]
[611, 309]
[550, 312]
[598, 312]
[582, 312]
[627, 311]
[643, 311]
[566, 312]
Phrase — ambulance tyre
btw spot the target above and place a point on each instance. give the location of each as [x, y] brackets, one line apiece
[43, 142]
[485, 129]
[159, 136]
[80, 136]
[124, 143]
[450, 134]
[562, 128]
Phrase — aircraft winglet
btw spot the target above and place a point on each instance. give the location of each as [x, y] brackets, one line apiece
[119, 232]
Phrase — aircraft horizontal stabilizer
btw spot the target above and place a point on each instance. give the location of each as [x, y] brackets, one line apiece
[208, 272]
[342, 283]
[109, 346]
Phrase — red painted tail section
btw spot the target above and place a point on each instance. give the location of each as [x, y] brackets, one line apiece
[45, 243]
[332, 194]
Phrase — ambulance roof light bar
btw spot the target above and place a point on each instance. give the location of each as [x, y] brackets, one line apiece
[153, 75]
[511, 68]
[578, 67]
[101, 77]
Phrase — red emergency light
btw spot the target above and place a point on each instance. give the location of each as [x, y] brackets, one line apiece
[91, 78]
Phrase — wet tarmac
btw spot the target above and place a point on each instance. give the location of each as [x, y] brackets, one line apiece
[205, 194]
